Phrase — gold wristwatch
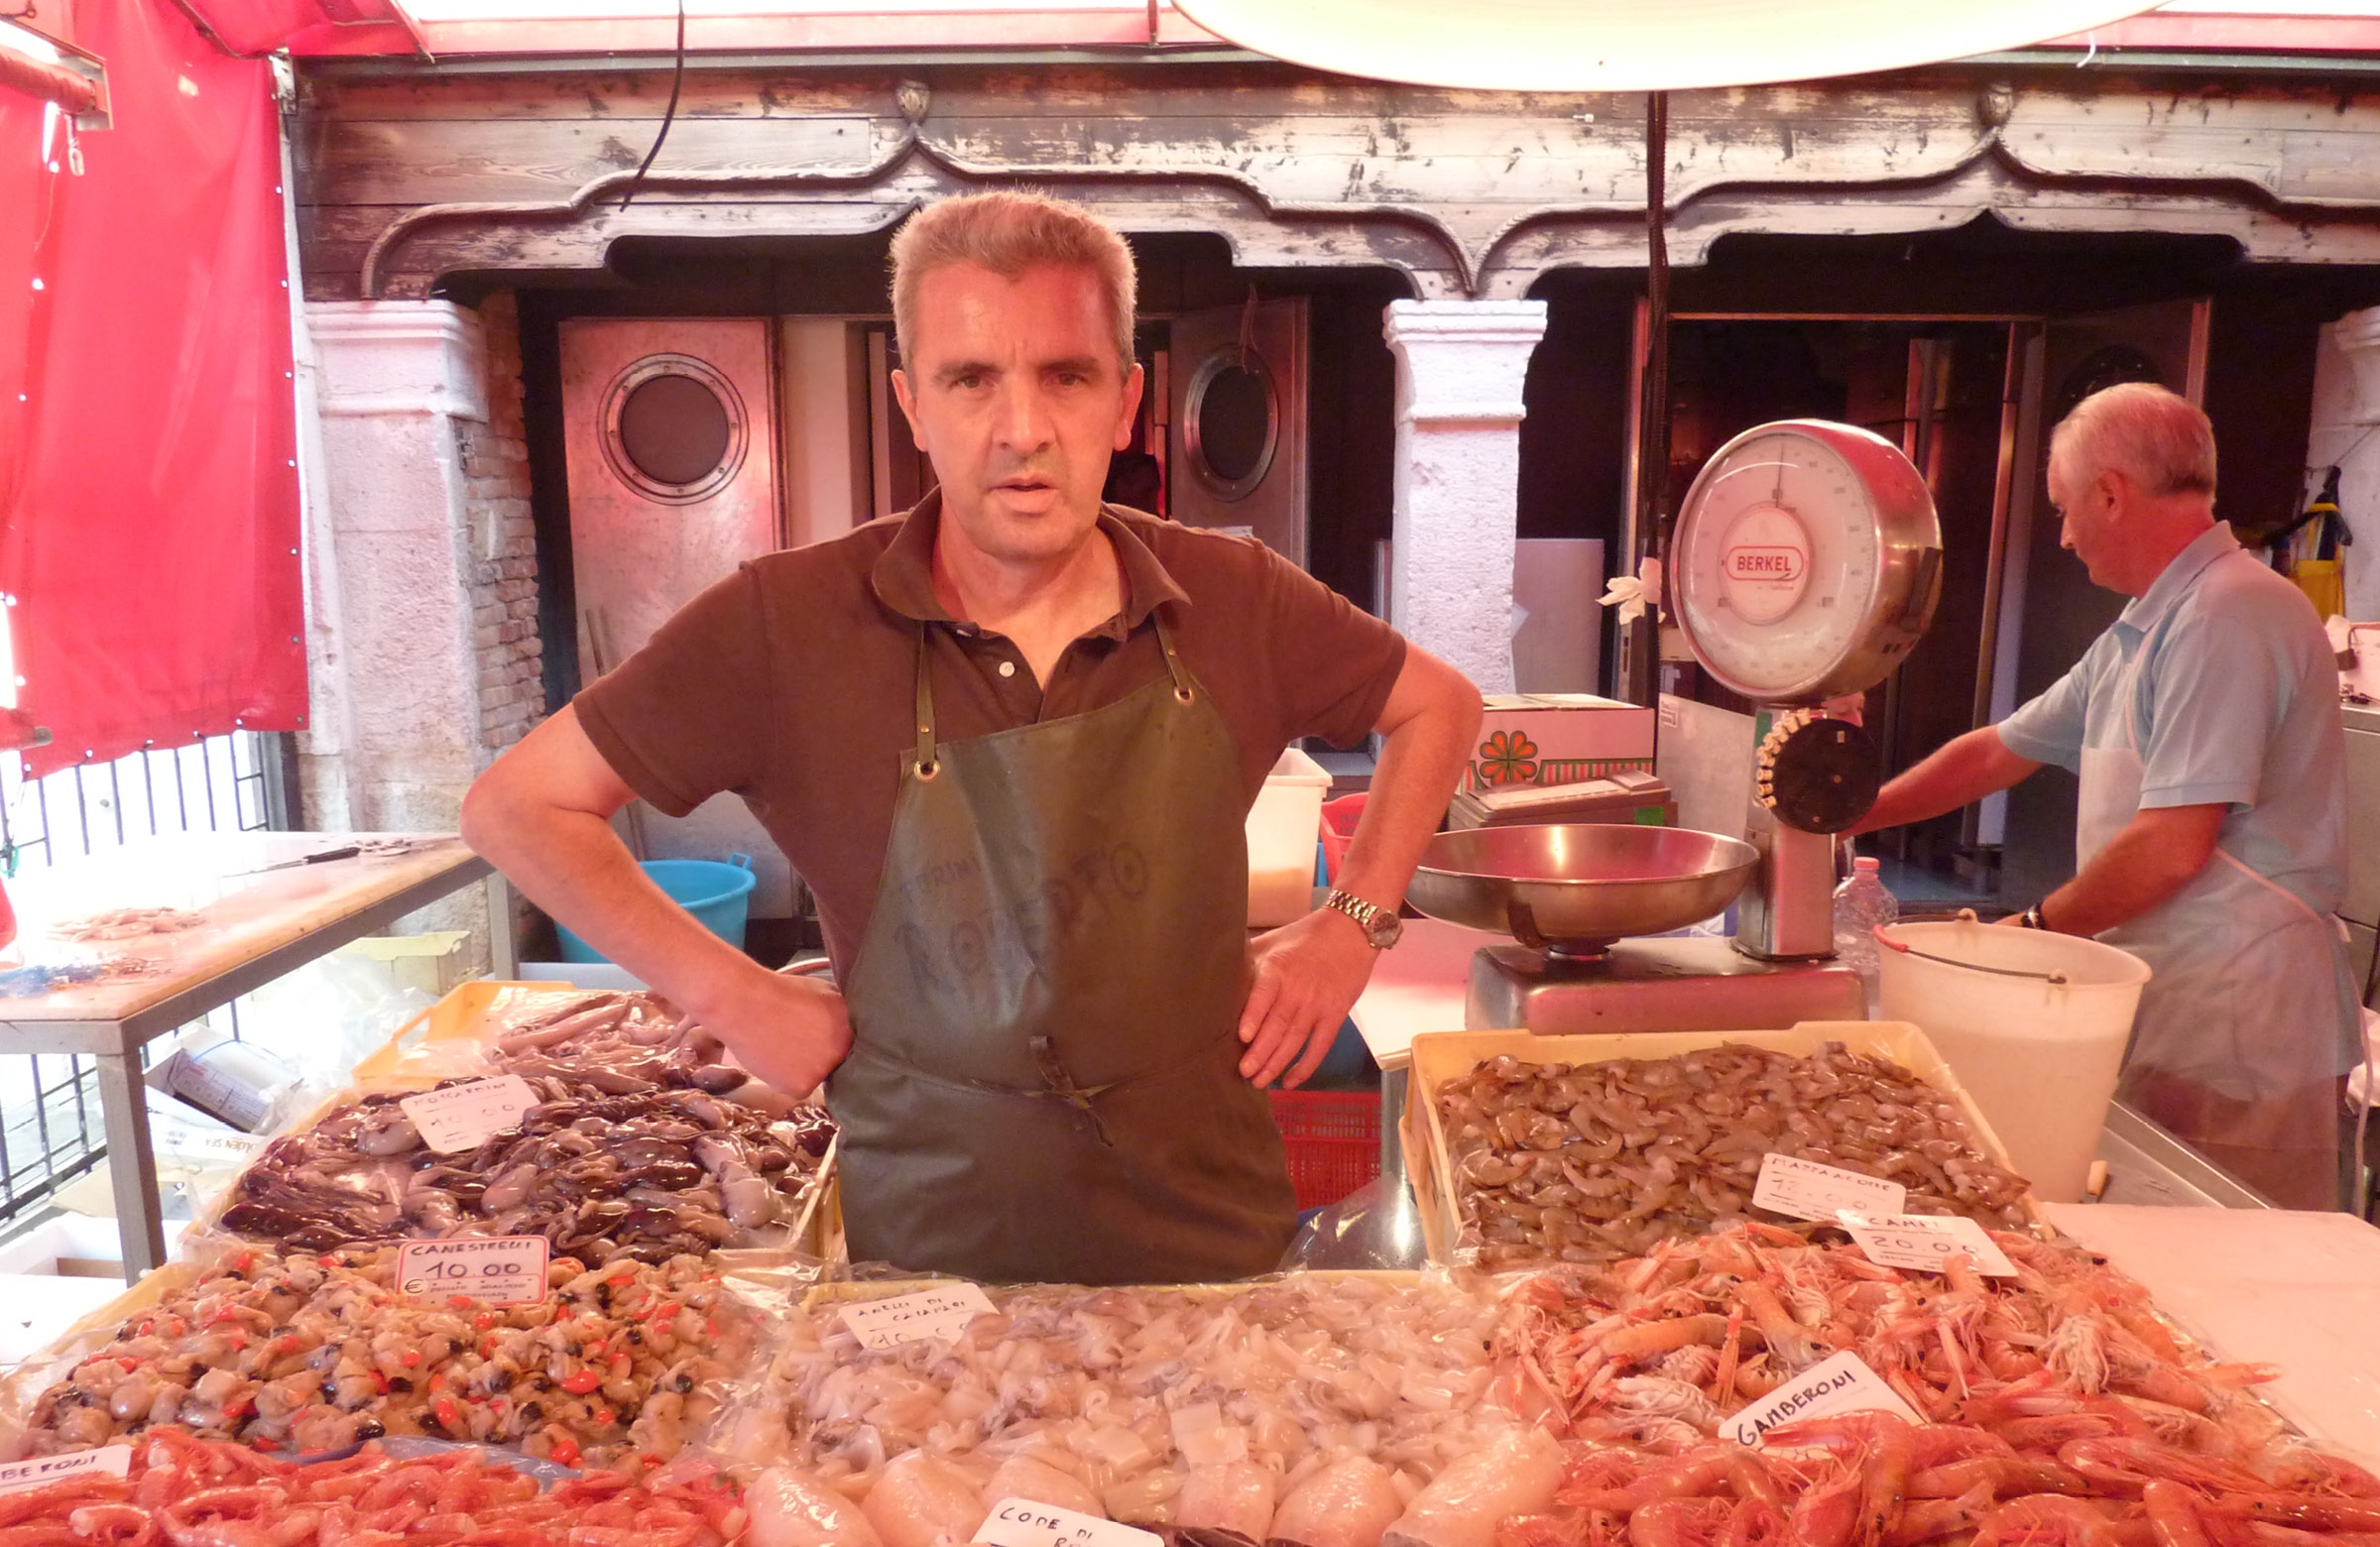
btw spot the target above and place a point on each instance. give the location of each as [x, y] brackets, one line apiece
[1381, 925]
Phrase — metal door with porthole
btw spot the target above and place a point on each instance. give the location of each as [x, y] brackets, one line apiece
[1236, 439]
[670, 440]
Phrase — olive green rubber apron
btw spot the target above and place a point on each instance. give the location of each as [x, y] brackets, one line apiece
[1043, 1083]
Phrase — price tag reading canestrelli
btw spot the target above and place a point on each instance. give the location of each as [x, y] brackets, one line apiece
[499, 1269]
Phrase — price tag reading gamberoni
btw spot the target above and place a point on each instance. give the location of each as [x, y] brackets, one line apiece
[500, 1270]
[1807, 1190]
[1841, 1384]
[940, 1312]
[463, 1116]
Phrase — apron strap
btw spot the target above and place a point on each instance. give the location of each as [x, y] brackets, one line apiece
[923, 764]
[1183, 691]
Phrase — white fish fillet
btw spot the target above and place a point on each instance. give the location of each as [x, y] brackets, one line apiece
[1348, 1503]
[1232, 1495]
[792, 1509]
[923, 1501]
[1515, 1473]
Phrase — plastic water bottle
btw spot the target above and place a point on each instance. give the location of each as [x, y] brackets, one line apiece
[1861, 903]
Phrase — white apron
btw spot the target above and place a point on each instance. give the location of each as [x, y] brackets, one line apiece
[2236, 1046]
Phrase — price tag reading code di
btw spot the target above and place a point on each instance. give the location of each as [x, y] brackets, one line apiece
[463, 1116]
[1020, 1522]
[941, 1312]
[112, 1461]
[500, 1270]
[1807, 1190]
[1925, 1241]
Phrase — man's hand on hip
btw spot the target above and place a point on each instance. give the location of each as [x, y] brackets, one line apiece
[1303, 979]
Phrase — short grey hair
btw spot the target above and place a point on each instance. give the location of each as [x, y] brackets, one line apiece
[2156, 437]
[1008, 231]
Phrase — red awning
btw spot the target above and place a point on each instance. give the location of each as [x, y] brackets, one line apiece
[148, 490]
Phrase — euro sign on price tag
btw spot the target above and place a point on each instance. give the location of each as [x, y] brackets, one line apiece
[1926, 1242]
[940, 1312]
[463, 1116]
[499, 1269]
[109, 1461]
[1841, 1384]
[1020, 1522]
[1807, 1190]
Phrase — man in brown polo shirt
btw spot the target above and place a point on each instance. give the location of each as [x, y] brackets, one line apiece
[1010, 740]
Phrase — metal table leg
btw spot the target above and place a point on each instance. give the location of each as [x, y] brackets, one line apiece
[1392, 1108]
[503, 958]
[131, 1166]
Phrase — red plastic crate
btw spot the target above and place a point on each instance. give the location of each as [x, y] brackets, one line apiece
[1334, 1141]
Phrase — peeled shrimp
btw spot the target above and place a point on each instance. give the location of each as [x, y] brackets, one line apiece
[1232, 1496]
[923, 1501]
[792, 1509]
[1347, 1503]
[1023, 1477]
[1515, 1475]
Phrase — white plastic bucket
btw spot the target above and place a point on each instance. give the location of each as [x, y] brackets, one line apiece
[2040, 1058]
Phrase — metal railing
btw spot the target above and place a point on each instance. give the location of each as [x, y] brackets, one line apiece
[49, 1126]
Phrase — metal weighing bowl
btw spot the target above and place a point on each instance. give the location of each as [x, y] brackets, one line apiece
[1571, 890]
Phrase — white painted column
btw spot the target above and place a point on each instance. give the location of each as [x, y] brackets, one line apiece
[395, 707]
[2345, 431]
[1460, 366]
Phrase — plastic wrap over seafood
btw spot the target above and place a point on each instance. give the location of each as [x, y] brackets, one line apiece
[1594, 1162]
[650, 1174]
[1870, 1480]
[1662, 1350]
[305, 1353]
[188, 1492]
[1323, 1404]
[619, 1042]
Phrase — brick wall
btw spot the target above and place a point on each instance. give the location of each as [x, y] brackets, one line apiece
[504, 548]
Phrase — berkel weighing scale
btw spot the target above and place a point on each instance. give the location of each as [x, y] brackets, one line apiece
[1807, 560]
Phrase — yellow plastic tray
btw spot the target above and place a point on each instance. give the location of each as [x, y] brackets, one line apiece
[1441, 1056]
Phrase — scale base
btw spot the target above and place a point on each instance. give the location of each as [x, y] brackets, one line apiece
[1696, 984]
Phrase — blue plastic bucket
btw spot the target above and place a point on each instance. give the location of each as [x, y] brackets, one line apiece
[718, 895]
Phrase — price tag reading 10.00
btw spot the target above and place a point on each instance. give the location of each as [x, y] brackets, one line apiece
[504, 1270]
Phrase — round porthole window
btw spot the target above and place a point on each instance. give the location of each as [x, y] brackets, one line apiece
[673, 429]
[1231, 421]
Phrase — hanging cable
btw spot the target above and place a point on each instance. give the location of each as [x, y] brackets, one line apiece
[1652, 408]
[678, 81]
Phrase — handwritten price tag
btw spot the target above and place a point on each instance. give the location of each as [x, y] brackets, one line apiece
[1807, 1190]
[1925, 1241]
[114, 1461]
[1841, 1384]
[501, 1269]
[942, 1312]
[462, 1117]
[202, 1145]
[1020, 1522]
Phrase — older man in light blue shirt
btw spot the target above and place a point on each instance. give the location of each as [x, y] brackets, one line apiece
[2211, 836]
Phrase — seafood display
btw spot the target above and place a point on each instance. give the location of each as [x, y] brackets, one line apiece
[306, 1352]
[1661, 1351]
[1870, 1480]
[1591, 1163]
[653, 1175]
[1340, 1407]
[190, 1492]
[618, 1041]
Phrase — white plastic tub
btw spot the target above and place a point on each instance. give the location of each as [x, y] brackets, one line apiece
[1284, 827]
[2039, 1057]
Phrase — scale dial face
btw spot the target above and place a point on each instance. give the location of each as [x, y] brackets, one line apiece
[1806, 562]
